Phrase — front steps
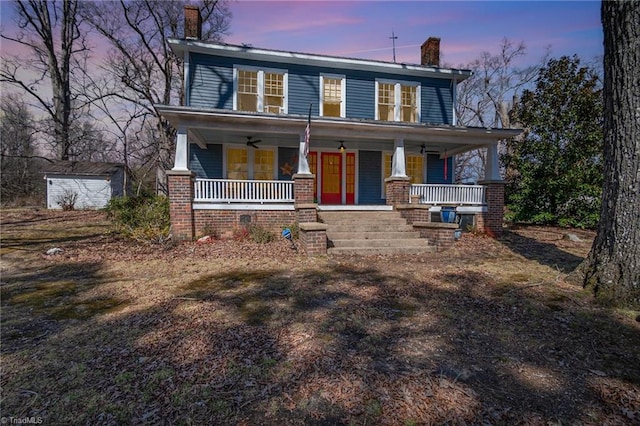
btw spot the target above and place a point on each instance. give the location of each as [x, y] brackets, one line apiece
[371, 232]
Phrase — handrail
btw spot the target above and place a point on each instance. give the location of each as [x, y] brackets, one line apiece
[449, 194]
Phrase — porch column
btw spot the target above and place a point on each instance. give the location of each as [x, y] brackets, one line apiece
[491, 221]
[303, 193]
[398, 162]
[303, 164]
[181, 162]
[397, 189]
[492, 166]
[181, 192]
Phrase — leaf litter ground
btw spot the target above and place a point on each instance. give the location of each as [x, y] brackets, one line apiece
[232, 332]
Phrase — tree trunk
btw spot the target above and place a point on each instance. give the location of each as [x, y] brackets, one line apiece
[612, 268]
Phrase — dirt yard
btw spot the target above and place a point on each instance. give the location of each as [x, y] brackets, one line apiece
[111, 332]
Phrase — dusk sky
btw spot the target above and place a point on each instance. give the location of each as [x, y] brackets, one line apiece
[466, 28]
[362, 28]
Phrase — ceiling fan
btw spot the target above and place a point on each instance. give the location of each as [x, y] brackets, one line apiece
[252, 142]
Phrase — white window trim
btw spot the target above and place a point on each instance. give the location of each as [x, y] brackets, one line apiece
[261, 72]
[397, 92]
[343, 93]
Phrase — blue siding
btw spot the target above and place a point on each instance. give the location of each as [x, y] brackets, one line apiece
[211, 82]
[206, 163]
[287, 155]
[211, 86]
[435, 169]
[304, 90]
[437, 102]
[360, 97]
[370, 177]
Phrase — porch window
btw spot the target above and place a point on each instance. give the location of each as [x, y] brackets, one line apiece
[260, 90]
[237, 164]
[263, 164]
[414, 165]
[332, 96]
[398, 101]
[253, 164]
[415, 169]
[387, 160]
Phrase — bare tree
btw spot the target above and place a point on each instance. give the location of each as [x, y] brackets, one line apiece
[486, 99]
[140, 61]
[51, 32]
[612, 269]
[18, 158]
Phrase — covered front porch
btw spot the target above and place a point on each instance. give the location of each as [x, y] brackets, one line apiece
[254, 165]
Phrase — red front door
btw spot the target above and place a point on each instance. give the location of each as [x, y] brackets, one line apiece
[331, 185]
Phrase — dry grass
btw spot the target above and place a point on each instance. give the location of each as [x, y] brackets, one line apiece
[112, 332]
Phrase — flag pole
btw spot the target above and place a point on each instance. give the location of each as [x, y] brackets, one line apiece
[305, 137]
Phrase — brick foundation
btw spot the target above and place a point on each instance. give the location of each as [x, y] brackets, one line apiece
[180, 211]
[223, 223]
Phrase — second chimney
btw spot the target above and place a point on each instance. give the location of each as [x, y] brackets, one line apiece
[192, 22]
[430, 52]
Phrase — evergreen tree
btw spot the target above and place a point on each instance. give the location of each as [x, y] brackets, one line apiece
[558, 164]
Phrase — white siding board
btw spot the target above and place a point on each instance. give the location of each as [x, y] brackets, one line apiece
[93, 192]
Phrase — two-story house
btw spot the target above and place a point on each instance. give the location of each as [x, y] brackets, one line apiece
[379, 132]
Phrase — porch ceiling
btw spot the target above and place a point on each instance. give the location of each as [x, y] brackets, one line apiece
[232, 127]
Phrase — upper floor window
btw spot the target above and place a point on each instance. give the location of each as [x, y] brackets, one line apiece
[332, 96]
[260, 90]
[398, 101]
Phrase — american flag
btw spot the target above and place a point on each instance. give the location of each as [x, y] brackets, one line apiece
[307, 134]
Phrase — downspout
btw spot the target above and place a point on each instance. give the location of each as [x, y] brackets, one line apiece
[454, 95]
[186, 93]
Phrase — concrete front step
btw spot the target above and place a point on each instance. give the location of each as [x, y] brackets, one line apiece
[371, 232]
[365, 226]
[366, 251]
[357, 234]
[408, 243]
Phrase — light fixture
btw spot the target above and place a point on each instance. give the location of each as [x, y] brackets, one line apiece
[423, 148]
[341, 147]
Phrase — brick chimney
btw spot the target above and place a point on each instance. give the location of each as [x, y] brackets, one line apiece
[192, 22]
[430, 52]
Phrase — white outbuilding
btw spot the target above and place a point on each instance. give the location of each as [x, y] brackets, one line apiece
[83, 185]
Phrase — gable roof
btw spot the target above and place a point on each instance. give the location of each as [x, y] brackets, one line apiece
[84, 168]
[180, 46]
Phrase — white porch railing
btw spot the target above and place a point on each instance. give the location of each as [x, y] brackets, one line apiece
[243, 191]
[471, 195]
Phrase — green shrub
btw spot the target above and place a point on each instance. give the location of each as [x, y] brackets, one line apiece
[143, 218]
